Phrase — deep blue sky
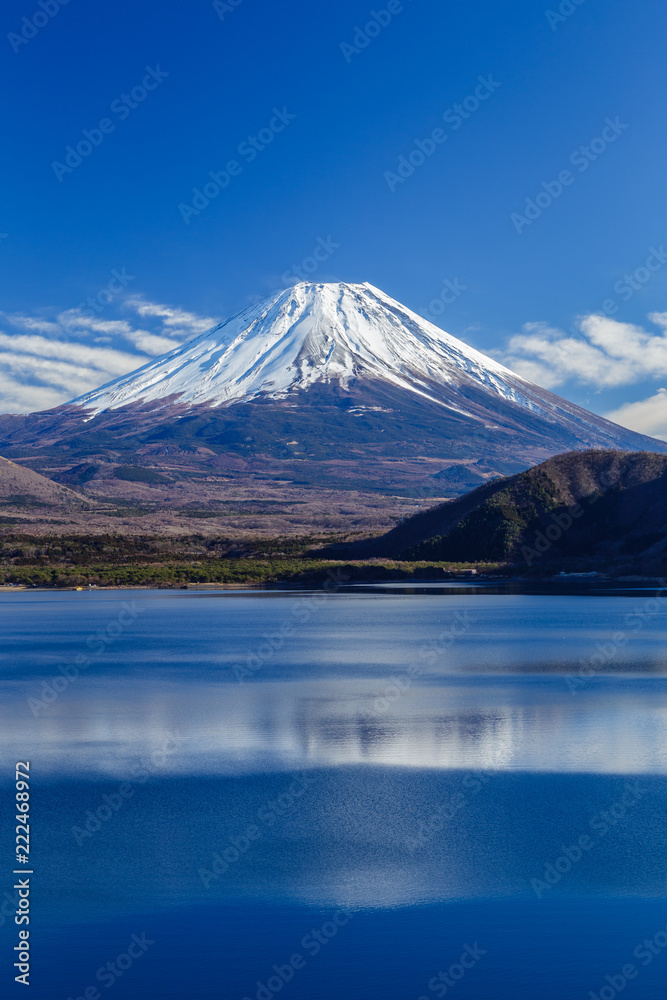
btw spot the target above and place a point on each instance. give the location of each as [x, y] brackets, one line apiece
[324, 175]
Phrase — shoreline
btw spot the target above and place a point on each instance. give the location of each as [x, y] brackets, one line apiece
[282, 585]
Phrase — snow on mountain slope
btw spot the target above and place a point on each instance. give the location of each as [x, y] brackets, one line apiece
[316, 333]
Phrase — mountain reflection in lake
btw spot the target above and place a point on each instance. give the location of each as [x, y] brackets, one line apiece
[424, 784]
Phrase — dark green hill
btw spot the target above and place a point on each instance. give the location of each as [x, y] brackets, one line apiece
[580, 510]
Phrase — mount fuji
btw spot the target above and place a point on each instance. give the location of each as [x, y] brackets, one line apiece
[309, 334]
[334, 385]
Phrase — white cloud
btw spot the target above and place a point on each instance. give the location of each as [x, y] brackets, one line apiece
[151, 343]
[648, 416]
[103, 359]
[19, 398]
[660, 319]
[35, 324]
[607, 353]
[74, 319]
[37, 373]
[70, 378]
[186, 324]
[51, 359]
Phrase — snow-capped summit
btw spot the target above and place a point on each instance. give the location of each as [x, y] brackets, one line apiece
[330, 383]
[313, 332]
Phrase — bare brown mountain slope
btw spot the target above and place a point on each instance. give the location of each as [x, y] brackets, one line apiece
[21, 487]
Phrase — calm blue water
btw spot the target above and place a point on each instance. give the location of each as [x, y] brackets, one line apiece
[384, 793]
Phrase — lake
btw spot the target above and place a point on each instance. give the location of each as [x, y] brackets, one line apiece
[372, 793]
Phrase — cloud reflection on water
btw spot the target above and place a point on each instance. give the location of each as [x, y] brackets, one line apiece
[615, 726]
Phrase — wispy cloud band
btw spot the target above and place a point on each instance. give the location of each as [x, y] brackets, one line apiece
[600, 352]
[46, 360]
